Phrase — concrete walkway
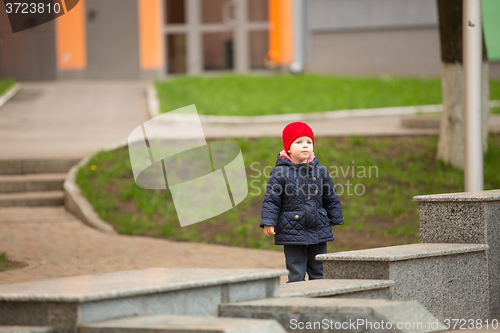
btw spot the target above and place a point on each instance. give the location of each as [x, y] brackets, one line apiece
[69, 118]
[73, 118]
[55, 244]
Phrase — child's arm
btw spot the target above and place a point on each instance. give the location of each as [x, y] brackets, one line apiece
[331, 201]
[271, 204]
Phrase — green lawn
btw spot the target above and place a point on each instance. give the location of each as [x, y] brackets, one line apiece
[376, 191]
[281, 94]
[5, 85]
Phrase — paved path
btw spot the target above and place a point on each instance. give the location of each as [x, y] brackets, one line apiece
[69, 118]
[56, 244]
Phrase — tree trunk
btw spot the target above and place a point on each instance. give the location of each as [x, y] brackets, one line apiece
[451, 134]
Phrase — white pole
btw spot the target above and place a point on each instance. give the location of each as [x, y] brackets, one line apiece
[297, 65]
[472, 59]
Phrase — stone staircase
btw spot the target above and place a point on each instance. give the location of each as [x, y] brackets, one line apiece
[433, 274]
[452, 273]
[197, 300]
[33, 182]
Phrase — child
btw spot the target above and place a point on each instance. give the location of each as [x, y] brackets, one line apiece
[300, 204]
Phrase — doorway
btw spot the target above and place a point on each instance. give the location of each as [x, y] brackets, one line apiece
[112, 39]
[215, 35]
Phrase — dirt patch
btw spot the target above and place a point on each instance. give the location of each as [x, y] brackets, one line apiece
[10, 265]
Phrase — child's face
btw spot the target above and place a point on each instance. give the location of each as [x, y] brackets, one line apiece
[301, 149]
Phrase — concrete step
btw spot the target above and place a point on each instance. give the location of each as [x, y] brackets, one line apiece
[49, 198]
[18, 166]
[346, 288]
[171, 323]
[26, 329]
[32, 182]
[436, 275]
[337, 314]
[158, 290]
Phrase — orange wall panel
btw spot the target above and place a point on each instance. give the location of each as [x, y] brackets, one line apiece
[280, 32]
[150, 34]
[71, 39]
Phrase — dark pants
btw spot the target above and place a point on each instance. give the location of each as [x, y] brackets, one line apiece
[300, 259]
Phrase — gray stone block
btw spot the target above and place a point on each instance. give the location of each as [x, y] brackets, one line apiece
[244, 290]
[402, 252]
[323, 314]
[188, 324]
[385, 293]
[419, 280]
[492, 214]
[61, 316]
[173, 303]
[452, 222]
[445, 278]
[109, 308]
[66, 302]
[356, 270]
[469, 279]
[203, 301]
[346, 288]
[467, 217]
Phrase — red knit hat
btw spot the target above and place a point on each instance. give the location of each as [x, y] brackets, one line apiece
[295, 130]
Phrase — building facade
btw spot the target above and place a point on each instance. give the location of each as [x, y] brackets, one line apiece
[133, 39]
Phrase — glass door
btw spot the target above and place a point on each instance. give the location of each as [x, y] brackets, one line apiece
[215, 35]
[218, 19]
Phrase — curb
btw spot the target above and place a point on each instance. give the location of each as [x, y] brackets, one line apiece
[154, 111]
[9, 94]
[152, 101]
[77, 204]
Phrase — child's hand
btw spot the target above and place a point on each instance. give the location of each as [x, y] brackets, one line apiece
[269, 230]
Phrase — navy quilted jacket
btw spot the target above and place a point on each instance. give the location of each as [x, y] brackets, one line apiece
[301, 202]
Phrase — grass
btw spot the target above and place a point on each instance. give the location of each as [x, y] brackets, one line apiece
[375, 177]
[4, 261]
[5, 85]
[282, 94]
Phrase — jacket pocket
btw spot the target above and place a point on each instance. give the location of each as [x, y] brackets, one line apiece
[294, 215]
[292, 221]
